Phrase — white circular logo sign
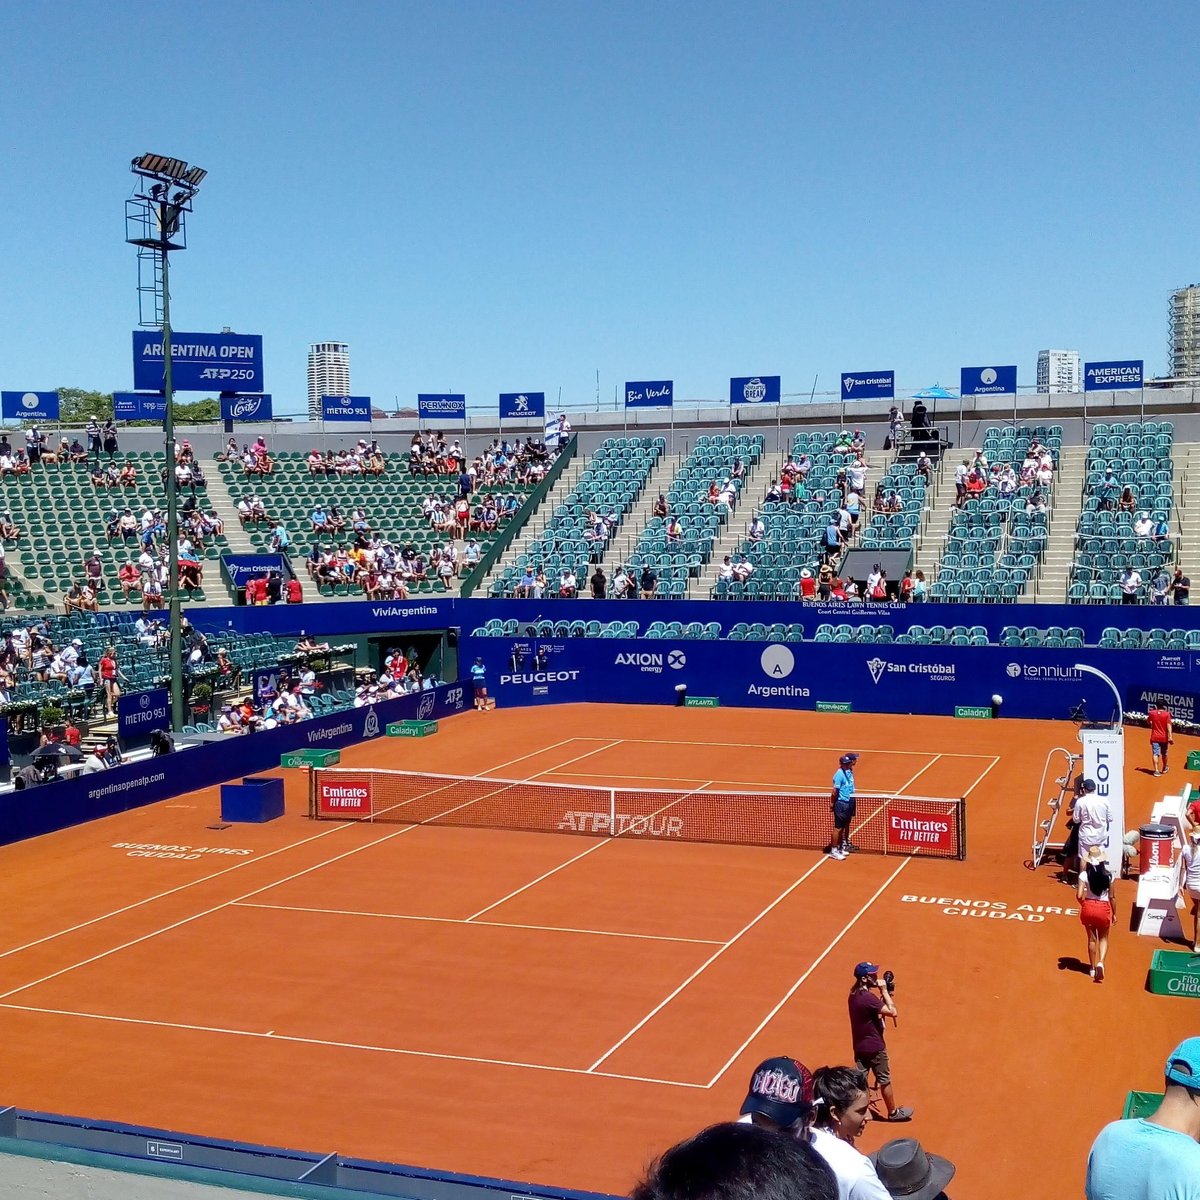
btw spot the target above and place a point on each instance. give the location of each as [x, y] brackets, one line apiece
[987, 375]
[778, 662]
[29, 400]
[1013, 670]
[677, 660]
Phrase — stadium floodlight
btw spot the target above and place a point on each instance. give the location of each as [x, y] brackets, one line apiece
[154, 222]
[159, 165]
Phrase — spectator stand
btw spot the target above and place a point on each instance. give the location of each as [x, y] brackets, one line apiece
[392, 502]
[1140, 458]
[995, 544]
[63, 516]
[610, 485]
[710, 461]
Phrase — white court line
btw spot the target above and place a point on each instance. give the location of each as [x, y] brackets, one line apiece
[906, 786]
[757, 788]
[206, 912]
[705, 965]
[116, 912]
[859, 748]
[554, 870]
[307, 1041]
[812, 967]
[225, 904]
[544, 875]
[981, 777]
[351, 912]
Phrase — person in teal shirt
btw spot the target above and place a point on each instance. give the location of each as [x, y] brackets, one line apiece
[1157, 1157]
[479, 680]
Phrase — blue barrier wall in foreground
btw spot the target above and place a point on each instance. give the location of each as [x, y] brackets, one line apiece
[70, 801]
[437, 612]
[870, 678]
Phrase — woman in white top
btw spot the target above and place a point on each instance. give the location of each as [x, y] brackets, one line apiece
[1189, 882]
[842, 1104]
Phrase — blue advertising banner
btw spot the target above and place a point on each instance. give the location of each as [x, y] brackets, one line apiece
[896, 678]
[1113, 376]
[346, 408]
[132, 785]
[139, 406]
[655, 393]
[29, 406]
[441, 406]
[242, 567]
[754, 389]
[266, 686]
[200, 362]
[515, 405]
[239, 407]
[869, 385]
[139, 714]
[988, 381]
[437, 612]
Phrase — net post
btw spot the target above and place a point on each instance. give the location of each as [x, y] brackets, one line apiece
[312, 793]
[962, 828]
[612, 812]
[887, 806]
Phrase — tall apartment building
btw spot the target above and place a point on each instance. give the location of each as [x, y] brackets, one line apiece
[1185, 333]
[1059, 371]
[328, 374]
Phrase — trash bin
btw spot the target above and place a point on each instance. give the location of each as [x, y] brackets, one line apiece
[1157, 847]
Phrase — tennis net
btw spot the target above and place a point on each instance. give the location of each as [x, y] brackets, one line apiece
[885, 823]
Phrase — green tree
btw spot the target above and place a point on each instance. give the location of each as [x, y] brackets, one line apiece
[77, 406]
[196, 412]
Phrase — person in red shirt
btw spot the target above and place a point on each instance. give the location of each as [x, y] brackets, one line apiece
[71, 734]
[295, 593]
[1161, 736]
[808, 585]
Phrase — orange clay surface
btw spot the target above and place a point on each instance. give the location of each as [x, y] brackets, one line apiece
[557, 1008]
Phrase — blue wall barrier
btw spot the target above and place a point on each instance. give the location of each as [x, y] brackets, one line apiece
[892, 679]
[70, 801]
[437, 612]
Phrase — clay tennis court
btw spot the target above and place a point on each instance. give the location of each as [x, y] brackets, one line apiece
[555, 1007]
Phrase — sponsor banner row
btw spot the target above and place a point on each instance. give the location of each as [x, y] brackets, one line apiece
[432, 612]
[830, 677]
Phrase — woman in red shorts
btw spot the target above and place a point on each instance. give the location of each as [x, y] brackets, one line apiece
[1096, 908]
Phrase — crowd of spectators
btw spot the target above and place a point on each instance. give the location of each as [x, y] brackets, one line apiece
[975, 476]
[401, 676]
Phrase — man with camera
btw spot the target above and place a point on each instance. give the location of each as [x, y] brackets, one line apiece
[870, 1002]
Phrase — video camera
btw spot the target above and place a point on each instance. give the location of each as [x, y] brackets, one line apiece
[889, 982]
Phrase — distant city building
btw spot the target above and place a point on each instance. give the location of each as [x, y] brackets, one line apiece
[328, 374]
[1185, 333]
[1059, 371]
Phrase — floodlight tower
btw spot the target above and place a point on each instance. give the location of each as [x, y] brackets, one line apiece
[154, 222]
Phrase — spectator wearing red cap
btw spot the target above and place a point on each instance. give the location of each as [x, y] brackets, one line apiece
[780, 1097]
[869, 1003]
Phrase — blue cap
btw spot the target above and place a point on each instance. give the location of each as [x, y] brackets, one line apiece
[1183, 1067]
[868, 968]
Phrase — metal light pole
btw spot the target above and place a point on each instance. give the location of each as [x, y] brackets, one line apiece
[154, 222]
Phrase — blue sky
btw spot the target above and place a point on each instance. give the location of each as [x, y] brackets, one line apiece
[492, 197]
